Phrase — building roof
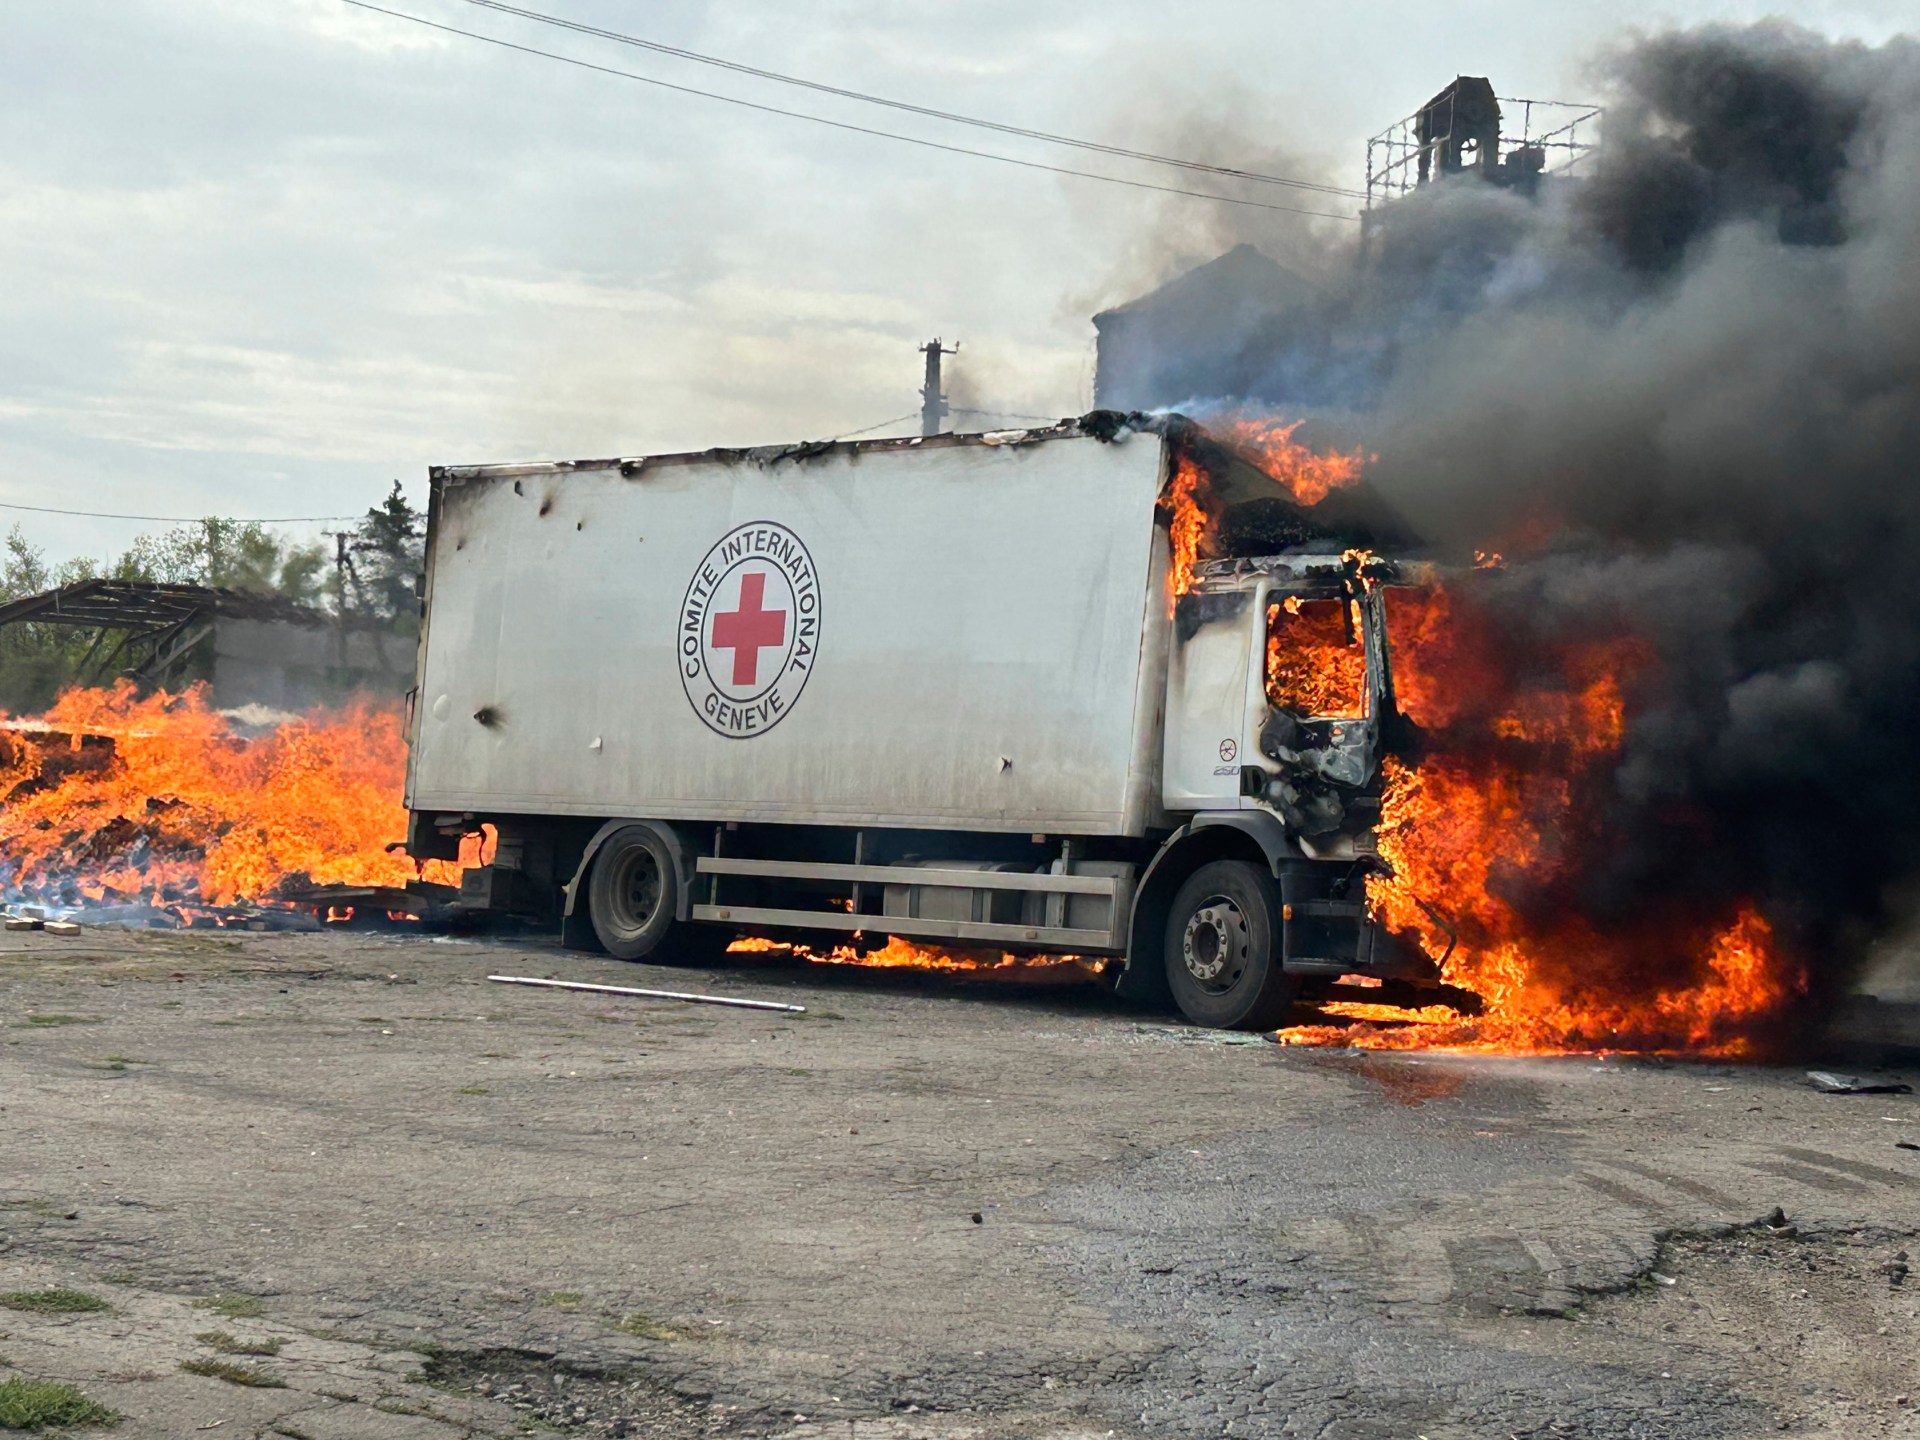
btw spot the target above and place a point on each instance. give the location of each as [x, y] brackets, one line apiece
[1242, 274]
[149, 605]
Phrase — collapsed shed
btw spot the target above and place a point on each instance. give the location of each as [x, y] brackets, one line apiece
[251, 649]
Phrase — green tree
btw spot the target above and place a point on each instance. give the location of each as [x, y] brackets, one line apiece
[230, 554]
[37, 661]
[386, 553]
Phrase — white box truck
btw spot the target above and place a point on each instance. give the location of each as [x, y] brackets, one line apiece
[932, 688]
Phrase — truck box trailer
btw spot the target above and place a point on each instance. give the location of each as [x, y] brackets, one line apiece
[941, 689]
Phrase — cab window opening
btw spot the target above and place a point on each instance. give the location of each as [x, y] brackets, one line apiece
[1316, 661]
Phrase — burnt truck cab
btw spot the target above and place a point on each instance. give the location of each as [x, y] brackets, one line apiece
[1280, 713]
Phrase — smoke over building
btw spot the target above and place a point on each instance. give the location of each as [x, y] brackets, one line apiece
[1682, 394]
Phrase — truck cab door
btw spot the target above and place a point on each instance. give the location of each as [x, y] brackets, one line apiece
[1211, 676]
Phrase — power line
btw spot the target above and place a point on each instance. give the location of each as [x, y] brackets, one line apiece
[869, 429]
[912, 109]
[180, 519]
[842, 124]
[1004, 414]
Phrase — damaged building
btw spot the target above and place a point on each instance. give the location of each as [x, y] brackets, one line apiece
[1243, 326]
[250, 649]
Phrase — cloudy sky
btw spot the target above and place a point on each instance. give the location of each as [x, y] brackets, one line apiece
[263, 256]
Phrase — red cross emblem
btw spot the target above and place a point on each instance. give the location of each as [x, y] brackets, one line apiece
[750, 629]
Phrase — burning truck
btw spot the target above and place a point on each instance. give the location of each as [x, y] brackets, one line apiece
[1103, 688]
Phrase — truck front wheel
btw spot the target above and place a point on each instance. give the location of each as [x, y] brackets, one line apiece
[632, 895]
[1223, 953]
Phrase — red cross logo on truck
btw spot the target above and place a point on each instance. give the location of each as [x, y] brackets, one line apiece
[750, 629]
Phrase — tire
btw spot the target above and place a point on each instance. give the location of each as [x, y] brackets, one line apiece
[1223, 950]
[632, 895]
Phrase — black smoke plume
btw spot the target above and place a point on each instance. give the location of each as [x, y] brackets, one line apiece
[1683, 393]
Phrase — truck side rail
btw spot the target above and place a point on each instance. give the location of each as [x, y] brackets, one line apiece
[903, 874]
[905, 885]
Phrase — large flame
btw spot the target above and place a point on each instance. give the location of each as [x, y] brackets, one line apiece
[1497, 822]
[109, 798]
[1313, 665]
[1186, 522]
[1308, 476]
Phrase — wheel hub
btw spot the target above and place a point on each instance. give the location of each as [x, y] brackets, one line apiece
[637, 896]
[1215, 944]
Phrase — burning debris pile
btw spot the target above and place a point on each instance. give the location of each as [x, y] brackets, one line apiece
[162, 809]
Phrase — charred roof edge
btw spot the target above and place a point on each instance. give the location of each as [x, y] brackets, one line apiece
[1105, 425]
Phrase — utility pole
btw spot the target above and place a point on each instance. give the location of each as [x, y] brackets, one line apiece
[340, 564]
[933, 404]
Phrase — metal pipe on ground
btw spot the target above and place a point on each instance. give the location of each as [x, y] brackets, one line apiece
[649, 994]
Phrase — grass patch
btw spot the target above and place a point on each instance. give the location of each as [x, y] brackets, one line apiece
[226, 1370]
[228, 1344]
[45, 1404]
[234, 1307]
[55, 1301]
[473, 1090]
[638, 1322]
[48, 1021]
[562, 1299]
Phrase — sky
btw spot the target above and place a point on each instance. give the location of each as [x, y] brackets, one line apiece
[263, 257]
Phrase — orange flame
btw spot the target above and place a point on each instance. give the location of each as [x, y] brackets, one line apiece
[1186, 524]
[1308, 476]
[898, 954]
[1492, 825]
[177, 808]
[1312, 668]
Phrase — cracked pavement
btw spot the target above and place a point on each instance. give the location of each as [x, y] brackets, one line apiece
[928, 1208]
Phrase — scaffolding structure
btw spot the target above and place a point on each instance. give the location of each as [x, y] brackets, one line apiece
[1466, 129]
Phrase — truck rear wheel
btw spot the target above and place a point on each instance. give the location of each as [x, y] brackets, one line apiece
[632, 895]
[1223, 953]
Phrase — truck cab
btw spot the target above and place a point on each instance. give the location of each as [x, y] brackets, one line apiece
[1280, 706]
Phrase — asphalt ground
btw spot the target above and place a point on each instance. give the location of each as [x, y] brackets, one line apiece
[928, 1207]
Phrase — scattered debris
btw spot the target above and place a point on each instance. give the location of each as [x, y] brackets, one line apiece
[61, 927]
[1198, 1035]
[1827, 1083]
[649, 994]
